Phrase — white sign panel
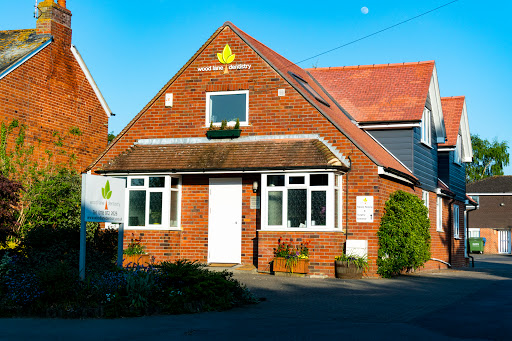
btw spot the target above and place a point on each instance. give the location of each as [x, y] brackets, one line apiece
[364, 209]
[103, 198]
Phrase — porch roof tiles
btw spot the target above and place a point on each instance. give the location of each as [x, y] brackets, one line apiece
[211, 156]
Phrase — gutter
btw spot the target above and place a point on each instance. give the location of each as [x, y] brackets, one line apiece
[24, 59]
[393, 173]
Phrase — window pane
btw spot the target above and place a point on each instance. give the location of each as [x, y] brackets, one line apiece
[297, 207]
[156, 181]
[296, 180]
[318, 207]
[275, 180]
[137, 208]
[275, 208]
[175, 182]
[137, 182]
[155, 208]
[319, 180]
[336, 208]
[174, 209]
[228, 107]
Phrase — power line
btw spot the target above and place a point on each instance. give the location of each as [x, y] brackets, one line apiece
[375, 33]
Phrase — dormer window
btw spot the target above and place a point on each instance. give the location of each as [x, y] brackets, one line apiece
[457, 157]
[426, 133]
[227, 106]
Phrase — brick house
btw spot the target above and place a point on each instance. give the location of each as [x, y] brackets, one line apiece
[493, 218]
[309, 152]
[45, 84]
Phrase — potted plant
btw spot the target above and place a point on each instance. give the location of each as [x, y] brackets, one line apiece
[135, 254]
[290, 259]
[224, 131]
[350, 266]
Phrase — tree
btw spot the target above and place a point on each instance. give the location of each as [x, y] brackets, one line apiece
[489, 159]
[9, 199]
[111, 136]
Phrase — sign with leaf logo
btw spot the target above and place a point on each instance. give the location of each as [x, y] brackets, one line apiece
[226, 57]
[106, 193]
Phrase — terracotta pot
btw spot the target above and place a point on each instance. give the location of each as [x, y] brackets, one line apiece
[302, 266]
[348, 270]
[135, 260]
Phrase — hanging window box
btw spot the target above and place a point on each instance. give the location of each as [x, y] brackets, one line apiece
[223, 134]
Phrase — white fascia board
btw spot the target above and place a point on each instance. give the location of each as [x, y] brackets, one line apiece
[437, 110]
[445, 149]
[377, 126]
[382, 171]
[88, 75]
[226, 172]
[24, 59]
[467, 148]
[485, 194]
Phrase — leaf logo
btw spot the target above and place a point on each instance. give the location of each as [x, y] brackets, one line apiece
[226, 57]
[106, 193]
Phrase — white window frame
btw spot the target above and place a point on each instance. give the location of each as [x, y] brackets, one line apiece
[166, 201]
[424, 197]
[227, 93]
[456, 221]
[457, 154]
[439, 213]
[473, 232]
[330, 190]
[426, 127]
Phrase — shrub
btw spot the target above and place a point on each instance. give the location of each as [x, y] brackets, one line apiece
[9, 199]
[404, 236]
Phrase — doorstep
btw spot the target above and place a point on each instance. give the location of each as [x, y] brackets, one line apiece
[232, 267]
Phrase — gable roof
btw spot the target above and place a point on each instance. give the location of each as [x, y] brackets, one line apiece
[226, 156]
[493, 184]
[15, 45]
[284, 67]
[456, 121]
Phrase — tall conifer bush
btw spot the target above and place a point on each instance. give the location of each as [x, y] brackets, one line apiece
[404, 236]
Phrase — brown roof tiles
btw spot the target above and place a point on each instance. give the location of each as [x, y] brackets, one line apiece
[452, 111]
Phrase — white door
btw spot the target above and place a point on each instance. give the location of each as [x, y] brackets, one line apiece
[225, 221]
[504, 245]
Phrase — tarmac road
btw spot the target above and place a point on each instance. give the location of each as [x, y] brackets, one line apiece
[469, 304]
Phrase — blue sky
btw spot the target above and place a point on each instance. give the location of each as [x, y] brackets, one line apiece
[133, 48]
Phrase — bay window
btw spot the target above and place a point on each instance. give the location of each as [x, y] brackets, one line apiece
[301, 201]
[152, 201]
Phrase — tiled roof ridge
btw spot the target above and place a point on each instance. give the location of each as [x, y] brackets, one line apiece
[19, 30]
[452, 97]
[370, 66]
[490, 178]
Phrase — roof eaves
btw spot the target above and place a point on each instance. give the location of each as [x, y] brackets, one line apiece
[22, 60]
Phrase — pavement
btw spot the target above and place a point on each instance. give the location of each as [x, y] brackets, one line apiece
[462, 304]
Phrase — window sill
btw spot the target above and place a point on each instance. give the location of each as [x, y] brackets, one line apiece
[426, 144]
[298, 229]
[437, 230]
[151, 228]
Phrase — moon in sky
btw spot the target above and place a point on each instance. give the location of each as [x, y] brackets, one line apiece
[364, 10]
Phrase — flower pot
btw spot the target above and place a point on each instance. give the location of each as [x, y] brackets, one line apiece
[348, 270]
[223, 134]
[302, 266]
[135, 260]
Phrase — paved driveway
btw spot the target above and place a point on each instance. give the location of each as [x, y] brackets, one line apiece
[447, 305]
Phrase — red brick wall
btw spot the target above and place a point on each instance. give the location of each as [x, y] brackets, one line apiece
[50, 93]
[268, 115]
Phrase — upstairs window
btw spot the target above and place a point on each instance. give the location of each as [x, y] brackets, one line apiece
[426, 134]
[228, 106]
[457, 157]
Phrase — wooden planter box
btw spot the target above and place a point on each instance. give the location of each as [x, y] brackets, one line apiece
[348, 270]
[223, 134]
[302, 267]
[135, 260]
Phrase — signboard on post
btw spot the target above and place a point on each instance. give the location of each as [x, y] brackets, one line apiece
[364, 209]
[102, 201]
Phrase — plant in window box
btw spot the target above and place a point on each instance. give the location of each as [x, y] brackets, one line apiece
[224, 131]
[135, 254]
[288, 258]
[350, 266]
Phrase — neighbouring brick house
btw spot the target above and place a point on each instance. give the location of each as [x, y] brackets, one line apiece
[45, 84]
[493, 218]
[314, 145]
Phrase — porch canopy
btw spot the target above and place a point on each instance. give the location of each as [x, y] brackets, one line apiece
[275, 154]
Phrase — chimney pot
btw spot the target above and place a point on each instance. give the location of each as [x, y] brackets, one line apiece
[62, 3]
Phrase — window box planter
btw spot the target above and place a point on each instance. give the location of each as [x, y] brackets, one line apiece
[348, 270]
[223, 134]
[302, 267]
[135, 260]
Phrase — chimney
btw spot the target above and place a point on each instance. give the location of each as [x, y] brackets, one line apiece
[55, 19]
